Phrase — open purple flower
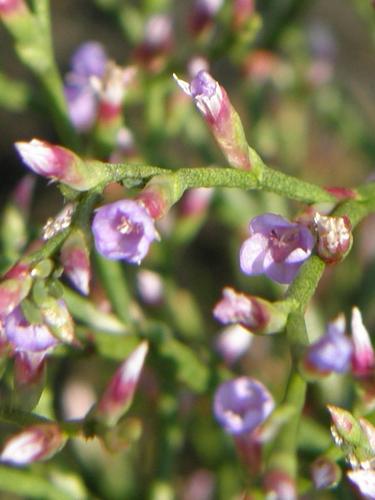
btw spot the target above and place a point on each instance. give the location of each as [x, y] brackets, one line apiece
[332, 352]
[27, 337]
[276, 247]
[89, 60]
[242, 404]
[123, 230]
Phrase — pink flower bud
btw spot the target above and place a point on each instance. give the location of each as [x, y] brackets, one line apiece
[279, 485]
[60, 164]
[212, 101]
[29, 378]
[157, 42]
[111, 90]
[325, 473]
[119, 393]
[75, 259]
[195, 202]
[12, 7]
[363, 358]
[203, 14]
[254, 313]
[14, 288]
[35, 443]
[334, 237]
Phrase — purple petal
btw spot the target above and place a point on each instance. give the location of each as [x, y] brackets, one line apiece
[252, 254]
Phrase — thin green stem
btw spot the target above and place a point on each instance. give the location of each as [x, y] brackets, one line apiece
[113, 279]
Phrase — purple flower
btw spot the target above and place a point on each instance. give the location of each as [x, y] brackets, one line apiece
[332, 352]
[27, 337]
[276, 247]
[88, 61]
[123, 230]
[242, 404]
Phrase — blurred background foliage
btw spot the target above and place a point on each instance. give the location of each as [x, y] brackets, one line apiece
[301, 74]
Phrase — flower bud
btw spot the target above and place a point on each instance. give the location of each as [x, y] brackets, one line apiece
[223, 120]
[157, 42]
[75, 259]
[347, 431]
[363, 357]
[111, 90]
[119, 393]
[331, 353]
[325, 473]
[29, 378]
[14, 288]
[233, 342]
[279, 485]
[334, 237]
[242, 404]
[12, 7]
[254, 313]
[38, 442]
[58, 319]
[203, 14]
[60, 164]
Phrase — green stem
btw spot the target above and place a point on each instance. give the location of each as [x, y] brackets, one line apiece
[113, 280]
[283, 455]
[267, 179]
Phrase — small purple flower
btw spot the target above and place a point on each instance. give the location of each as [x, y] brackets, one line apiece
[88, 61]
[123, 230]
[332, 352]
[242, 404]
[27, 337]
[276, 247]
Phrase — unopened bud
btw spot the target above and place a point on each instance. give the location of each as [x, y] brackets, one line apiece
[254, 313]
[157, 42]
[363, 358]
[14, 288]
[58, 319]
[233, 342]
[119, 393]
[203, 14]
[75, 259]
[33, 444]
[334, 237]
[29, 378]
[60, 164]
[279, 485]
[212, 101]
[12, 7]
[325, 473]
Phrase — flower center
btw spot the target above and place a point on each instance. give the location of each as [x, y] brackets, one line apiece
[126, 226]
[283, 243]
